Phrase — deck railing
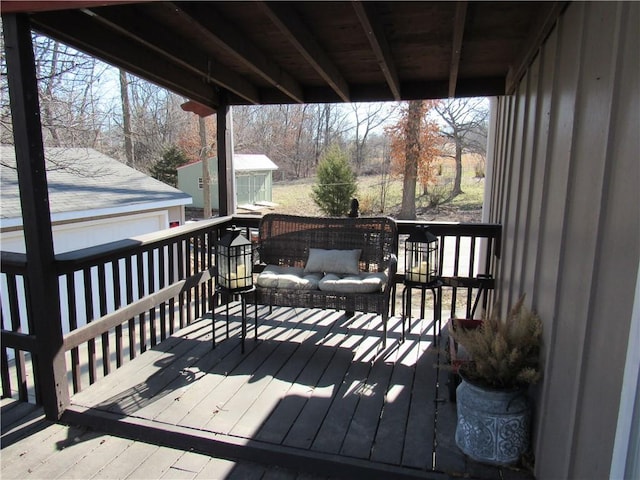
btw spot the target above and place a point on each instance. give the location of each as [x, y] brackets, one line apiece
[119, 299]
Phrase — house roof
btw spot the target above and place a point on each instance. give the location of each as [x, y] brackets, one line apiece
[306, 51]
[245, 162]
[85, 183]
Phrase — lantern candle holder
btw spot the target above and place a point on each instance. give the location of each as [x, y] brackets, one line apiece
[421, 271]
[234, 275]
[421, 257]
[234, 261]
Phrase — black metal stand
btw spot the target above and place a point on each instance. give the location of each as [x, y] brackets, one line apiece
[226, 293]
[436, 290]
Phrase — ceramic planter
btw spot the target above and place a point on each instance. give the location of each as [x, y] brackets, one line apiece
[493, 425]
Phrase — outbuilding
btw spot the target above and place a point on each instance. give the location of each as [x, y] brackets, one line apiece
[253, 177]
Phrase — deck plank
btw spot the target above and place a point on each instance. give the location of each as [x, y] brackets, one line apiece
[188, 394]
[315, 397]
[188, 465]
[279, 384]
[239, 401]
[157, 464]
[75, 449]
[277, 426]
[362, 430]
[124, 464]
[334, 428]
[153, 361]
[224, 381]
[216, 469]
[21, 457]
[389, 440]
[419, 435]
[448, 457]
[309, 421]
[94, 460]
[223, 358]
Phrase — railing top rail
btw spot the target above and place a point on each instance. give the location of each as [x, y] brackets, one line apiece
[452, 228]
[13, 262]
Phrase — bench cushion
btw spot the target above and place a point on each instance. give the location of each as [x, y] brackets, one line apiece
[361, 283]
[295, 278]
[334, 261]
[274, 276]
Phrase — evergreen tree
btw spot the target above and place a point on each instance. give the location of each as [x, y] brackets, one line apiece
[336, 184]
[165, 169]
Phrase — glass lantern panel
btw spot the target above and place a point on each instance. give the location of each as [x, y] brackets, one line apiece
[421, 262]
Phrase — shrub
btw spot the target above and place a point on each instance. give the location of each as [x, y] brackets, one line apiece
[165, 169]
[336, 184]
[438, 194]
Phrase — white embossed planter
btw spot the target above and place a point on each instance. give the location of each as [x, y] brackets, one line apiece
[493, 425]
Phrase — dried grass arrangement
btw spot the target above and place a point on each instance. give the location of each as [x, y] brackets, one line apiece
[504, 353]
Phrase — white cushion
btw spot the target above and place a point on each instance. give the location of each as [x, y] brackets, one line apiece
[333, 261]
[361, 283]
[274, 276]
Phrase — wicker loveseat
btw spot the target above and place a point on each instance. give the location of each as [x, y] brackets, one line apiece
[300, 256]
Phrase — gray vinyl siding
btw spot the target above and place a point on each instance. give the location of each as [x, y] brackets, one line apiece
[566, 177]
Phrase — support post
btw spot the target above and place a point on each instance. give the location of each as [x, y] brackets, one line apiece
[226, 175]
[43, 292]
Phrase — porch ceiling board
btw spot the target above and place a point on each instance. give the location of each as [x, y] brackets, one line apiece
[131, 23]
[311, 52]
[77, 29]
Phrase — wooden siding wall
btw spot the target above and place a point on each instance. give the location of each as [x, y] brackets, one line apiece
[566, 178]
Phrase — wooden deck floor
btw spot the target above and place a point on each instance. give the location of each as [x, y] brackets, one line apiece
[315, 395]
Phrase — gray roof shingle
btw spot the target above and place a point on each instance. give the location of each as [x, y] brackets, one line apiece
[84, 182]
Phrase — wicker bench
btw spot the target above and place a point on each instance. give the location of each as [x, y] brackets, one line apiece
[289, 245]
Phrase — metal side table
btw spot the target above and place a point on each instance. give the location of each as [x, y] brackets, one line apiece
[243, 303]
[436, 289]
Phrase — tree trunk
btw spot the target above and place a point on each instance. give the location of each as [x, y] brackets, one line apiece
[206, 182]
[412, 149]
[126, 117]
[457, 183]
[46, 110]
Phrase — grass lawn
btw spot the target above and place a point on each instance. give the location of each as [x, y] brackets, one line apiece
[295, 196]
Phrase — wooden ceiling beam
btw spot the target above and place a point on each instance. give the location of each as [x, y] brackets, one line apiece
[16, 6]
[380, 46]
[456, 46]
[537, 35]
[226, 35]
[71, 27]
[414, 90]
[128, 22]
[291, 25]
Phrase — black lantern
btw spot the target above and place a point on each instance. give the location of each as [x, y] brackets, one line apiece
[234, 260]
[421, 257]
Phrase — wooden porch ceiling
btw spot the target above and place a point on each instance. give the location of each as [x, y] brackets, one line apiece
[306, 52]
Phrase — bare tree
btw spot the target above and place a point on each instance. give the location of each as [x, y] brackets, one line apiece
[69, 100]
[156, 120]
[465, 129]
[204, 157]
[291, 135]
[126, 118]
[73, 113]
[368, 117]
